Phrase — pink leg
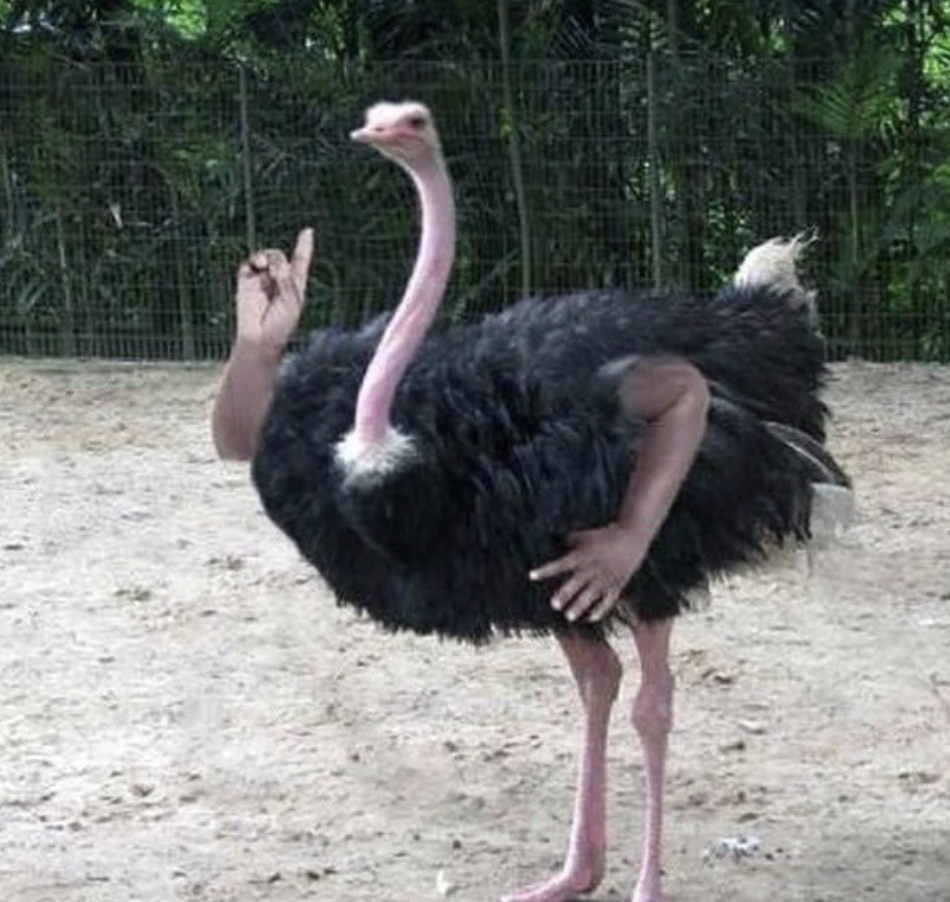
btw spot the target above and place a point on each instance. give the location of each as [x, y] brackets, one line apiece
[652, 718]
[596, 671]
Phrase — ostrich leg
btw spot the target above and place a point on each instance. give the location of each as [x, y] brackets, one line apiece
[652, 719]
[596, 671]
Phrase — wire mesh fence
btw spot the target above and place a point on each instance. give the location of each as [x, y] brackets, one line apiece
[130, 196]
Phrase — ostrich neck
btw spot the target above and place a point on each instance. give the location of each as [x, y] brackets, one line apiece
[417, 309]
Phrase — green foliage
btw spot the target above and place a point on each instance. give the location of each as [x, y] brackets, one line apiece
[860, 99]
[147, 144]
[188, 17]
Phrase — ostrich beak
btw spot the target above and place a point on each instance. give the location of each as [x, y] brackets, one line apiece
[381, 136]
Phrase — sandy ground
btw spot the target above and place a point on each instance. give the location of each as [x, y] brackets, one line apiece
[187, 716]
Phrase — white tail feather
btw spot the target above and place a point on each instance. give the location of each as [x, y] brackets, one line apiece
[773, 264]
[832, 511]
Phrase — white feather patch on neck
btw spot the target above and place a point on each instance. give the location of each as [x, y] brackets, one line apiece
[365, 463]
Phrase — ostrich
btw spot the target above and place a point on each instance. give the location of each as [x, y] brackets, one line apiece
[575, 465]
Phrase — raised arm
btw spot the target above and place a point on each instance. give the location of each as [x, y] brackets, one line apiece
[673, 397]
[270, 297]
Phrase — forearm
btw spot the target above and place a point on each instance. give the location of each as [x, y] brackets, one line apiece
[676, 405]
[243, 398]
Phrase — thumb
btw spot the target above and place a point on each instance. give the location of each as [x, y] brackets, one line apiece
[300, 262]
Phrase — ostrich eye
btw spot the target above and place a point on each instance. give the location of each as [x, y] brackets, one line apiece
[417, 122]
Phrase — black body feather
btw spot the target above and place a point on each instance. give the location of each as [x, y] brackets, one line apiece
[522, 440]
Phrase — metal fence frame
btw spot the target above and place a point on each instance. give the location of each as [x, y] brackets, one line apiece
[123, 190]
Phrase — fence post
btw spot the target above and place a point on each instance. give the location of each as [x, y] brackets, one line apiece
[249, 216]
[67, 324]
[653, 155]
[514, 148]
[186, 318]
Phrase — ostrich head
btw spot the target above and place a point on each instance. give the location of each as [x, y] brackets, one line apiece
[404, 132]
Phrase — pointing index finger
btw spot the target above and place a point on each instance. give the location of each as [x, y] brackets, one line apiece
[300, 262]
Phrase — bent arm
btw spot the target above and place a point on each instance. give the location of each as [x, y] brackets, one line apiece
[673, 397]
[243, 398]
[270, 296]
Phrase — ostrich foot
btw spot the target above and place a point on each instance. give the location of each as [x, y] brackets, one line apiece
[648, 891]
[573, 881]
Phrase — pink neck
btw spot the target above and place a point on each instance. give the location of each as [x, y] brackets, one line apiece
[418, 307]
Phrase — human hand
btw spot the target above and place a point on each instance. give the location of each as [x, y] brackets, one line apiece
[271, 292]
[600, 563]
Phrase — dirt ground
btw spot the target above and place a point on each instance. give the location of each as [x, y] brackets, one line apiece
[187, 716]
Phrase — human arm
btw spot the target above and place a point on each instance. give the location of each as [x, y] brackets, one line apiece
[673, 397]
[270, 297]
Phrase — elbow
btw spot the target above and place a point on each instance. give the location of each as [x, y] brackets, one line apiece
[691, 408]
[696, 395]
[234, 448]
[661, 388]
[229, 444]
[232, 452]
